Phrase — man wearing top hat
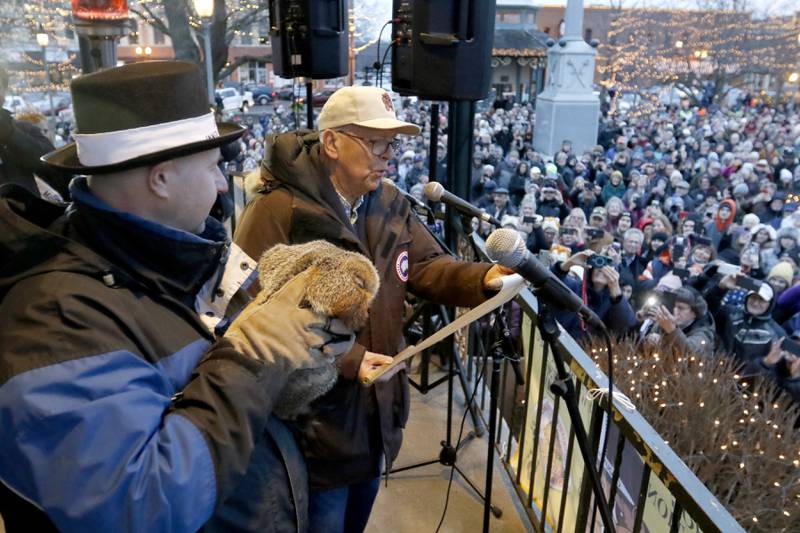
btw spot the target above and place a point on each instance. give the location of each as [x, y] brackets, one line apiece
[328, 184]
[122, 405]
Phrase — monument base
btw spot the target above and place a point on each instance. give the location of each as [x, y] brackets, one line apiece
[562, 117]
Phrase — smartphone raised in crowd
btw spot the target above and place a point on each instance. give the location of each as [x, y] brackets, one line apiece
[748, 283]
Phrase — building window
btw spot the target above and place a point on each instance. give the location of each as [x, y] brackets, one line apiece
[246, 37]
[133, 36]
[158, 37]
[510, 16]
[504, 79]
[263, 31]
[587, 35]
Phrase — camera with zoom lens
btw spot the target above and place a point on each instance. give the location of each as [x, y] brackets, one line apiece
[598, 261]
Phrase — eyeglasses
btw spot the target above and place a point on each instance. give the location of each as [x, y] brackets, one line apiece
[378, 147]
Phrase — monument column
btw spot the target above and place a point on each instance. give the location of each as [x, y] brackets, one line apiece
[568, 109]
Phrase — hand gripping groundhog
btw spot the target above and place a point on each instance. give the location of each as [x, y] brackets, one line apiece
[341, 285]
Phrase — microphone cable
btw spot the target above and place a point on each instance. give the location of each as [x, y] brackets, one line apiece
[378, 63]
[383, 62]
[460, 436]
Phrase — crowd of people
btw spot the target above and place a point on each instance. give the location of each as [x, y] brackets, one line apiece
[681, 224]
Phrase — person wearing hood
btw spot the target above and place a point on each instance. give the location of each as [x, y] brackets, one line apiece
[137, 377]
[601, 291]
[688, 325]
[328, 185]
[720, 227]
[746, 333]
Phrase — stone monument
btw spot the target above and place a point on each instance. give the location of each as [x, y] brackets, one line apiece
[568, 109]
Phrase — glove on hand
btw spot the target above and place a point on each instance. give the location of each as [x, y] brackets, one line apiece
[281, 331]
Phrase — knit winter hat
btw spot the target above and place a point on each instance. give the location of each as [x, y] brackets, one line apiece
[782, 270]
[750, 220]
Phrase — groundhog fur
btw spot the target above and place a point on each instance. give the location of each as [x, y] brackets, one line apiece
[341, 285]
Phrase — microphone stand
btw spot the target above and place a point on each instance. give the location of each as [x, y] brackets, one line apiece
[564, 387]
[448, 455]
[502, 349]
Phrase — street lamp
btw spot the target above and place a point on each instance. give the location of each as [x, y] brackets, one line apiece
[678, 44]
[794, 76]
[205, 10]
[42, 39]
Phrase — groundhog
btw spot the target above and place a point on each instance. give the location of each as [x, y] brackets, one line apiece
[341, 285]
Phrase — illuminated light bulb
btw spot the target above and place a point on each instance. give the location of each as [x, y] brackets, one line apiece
[723, 447]
[741, 465]
[716, 422]
[702, 404]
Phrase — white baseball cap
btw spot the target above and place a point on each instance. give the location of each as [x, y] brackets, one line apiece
[368, 107]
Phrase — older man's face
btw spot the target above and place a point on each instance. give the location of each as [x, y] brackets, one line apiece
[357, 170]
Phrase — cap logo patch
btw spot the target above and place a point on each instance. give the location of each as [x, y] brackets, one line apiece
[387, 102]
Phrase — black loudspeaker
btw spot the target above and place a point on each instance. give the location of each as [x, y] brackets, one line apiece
[309, 38]
[442, 48]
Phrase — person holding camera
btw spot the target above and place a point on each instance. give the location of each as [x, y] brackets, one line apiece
[672, 257]
[782, 363]
[601, 291]
[551, 202]
[688, 326]
[746, 333]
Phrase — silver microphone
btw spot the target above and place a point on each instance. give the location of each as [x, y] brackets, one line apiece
[435, 192]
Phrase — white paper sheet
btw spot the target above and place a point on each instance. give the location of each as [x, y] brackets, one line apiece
[511, 286]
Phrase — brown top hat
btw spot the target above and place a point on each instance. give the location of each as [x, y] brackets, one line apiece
[138, 115]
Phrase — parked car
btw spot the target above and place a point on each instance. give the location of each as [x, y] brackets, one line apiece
[320, 97]
[284, 93]
[233, 100]
[263, 94]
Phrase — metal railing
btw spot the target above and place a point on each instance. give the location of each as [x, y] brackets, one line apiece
[648, 486]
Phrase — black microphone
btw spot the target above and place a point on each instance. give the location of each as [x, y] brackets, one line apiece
[435, 192]
[409, 197]
[505, 246]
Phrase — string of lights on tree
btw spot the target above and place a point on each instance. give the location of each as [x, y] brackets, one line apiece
[736, 434]
[661, 46]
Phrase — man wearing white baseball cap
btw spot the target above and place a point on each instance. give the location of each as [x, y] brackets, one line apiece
[329, 185]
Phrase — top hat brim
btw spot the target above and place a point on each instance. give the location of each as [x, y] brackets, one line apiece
[66, 159]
